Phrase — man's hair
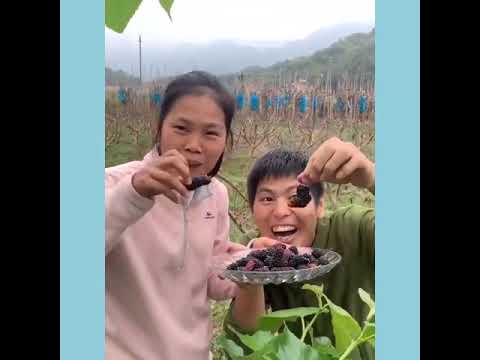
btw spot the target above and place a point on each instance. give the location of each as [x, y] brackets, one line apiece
[280, 163]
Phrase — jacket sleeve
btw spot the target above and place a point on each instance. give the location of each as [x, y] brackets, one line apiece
[217, 288]
[123, 205]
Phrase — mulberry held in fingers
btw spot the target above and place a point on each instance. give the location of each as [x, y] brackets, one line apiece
[198, 181]
[302, 198]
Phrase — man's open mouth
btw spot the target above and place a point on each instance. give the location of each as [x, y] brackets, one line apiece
[283, 232]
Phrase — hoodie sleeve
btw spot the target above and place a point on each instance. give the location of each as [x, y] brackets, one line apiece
[123, 205]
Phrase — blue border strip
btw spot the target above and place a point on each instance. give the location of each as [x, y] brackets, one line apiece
[82, 224]
[398, 179]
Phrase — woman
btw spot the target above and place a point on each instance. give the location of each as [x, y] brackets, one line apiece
[161, 238]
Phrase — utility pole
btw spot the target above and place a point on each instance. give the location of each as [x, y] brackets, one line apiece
[140, 57]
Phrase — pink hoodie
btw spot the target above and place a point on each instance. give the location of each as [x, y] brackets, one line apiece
[158, 275]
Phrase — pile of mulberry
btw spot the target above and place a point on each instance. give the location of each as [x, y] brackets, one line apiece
[279, 258]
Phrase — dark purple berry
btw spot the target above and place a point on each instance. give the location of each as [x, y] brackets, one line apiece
[258, 263]
[302, 198]
[232, 266]
[268, 261]
[318, 252]
[198, 181]
[250, 265]
[298, 260]
[277, 261]
[279, 246]
[301, 267]
[293, 249]
[309, 257]
[288, 253]
[242, 261]
[259, 254]
[323, 260]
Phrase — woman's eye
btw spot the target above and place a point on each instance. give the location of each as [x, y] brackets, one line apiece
[266, 199]
[180, 127]
[213, 133]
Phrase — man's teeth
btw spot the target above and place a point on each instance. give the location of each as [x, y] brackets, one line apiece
[283, 228]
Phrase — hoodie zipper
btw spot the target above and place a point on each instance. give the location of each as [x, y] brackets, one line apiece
[184, 240]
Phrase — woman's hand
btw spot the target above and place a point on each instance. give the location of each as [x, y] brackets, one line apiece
[166, 175]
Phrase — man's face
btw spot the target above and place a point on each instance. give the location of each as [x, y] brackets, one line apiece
[276, 220]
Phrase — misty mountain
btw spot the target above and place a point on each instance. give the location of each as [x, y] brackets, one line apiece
[352, 56]
[219, 57]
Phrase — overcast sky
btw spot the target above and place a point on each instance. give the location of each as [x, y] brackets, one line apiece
[200, 21]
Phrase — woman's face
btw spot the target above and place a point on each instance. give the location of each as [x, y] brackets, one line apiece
[195, 127]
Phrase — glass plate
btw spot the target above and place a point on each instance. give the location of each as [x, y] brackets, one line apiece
[274, 277]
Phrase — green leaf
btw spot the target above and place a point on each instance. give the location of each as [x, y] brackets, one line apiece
[270, 357]
[368, 300]
[267, 351]
[324, 346]
[288, 347]
[167, 6]
[230, 347]
[256, 341]
[119, 12]
[272, 321]
[345, 327]
[323, 340]
[318, 290]
[368, 330]
[368, 334]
